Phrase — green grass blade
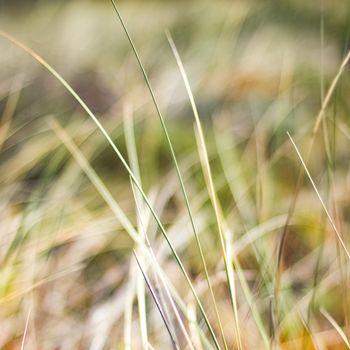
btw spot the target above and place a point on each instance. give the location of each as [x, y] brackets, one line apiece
[95, 179]
[160, 273]
[165, 131]
[125, 164]
[212, 192]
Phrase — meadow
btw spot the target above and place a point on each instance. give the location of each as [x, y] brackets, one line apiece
[174, 174]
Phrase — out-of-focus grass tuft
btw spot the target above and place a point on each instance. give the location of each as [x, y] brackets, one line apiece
[210, 214]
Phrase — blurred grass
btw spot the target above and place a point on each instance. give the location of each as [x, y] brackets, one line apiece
[257, 69]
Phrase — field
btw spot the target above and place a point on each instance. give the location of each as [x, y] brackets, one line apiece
[174, 174]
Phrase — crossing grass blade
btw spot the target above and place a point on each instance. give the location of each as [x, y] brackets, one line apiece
[212, 194]
[39, 59]
[95, 179]
[157, 302]
[171, 149]
[160, 272]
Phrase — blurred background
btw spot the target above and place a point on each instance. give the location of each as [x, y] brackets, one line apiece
[257, 69]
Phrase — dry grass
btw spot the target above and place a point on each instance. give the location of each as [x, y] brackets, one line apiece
[192, 197]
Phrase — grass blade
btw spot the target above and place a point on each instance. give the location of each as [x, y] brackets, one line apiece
[160, 274]
[130, 292]
[133, 160]
[9, 110]
[26, 329]
[165, 131]
[154, 296]
[95, 179]
[330, 92]
[320, 198]
[332, 321]
[125, 164]
[212, 194]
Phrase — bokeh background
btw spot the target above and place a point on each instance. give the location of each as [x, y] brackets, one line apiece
[257, 69]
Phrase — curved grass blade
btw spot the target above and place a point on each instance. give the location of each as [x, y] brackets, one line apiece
[165, 131]
[336, 326]
[95, 179]
[330, 92]
[319, 118]
[212, 192]
[39, 59]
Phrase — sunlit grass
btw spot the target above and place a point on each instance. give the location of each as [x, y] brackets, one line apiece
[207, 208]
